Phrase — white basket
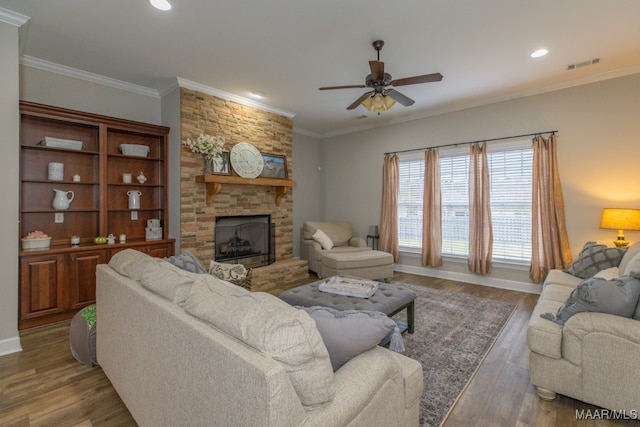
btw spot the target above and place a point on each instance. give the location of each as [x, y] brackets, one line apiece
[134, 150]
[69, 144]
[36, 244]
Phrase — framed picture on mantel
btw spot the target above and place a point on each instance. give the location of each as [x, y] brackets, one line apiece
[221, 164]
[274, 166]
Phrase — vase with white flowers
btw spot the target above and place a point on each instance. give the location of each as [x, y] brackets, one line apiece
[209, 146]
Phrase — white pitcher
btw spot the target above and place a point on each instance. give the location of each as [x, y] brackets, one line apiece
[61, 200]
[134, 199]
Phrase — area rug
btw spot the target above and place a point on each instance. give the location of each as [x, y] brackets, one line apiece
[453, 334]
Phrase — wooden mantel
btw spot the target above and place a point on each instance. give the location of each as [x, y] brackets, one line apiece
[215, 182]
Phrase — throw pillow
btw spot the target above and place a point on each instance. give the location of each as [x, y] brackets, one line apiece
[275, 329]
[322, 238]
[593, 258]
[617, 296]
[188, 262]
[237, 274]
[348, 333]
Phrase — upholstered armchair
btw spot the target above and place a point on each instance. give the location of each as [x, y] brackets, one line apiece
[340, 239]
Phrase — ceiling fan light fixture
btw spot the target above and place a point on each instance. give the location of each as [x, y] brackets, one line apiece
[378, 103]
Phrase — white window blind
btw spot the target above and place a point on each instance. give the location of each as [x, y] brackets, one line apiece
[510, 176]
[454, 184]
[410, 203]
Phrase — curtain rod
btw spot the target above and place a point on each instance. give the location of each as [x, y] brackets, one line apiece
[473, 142]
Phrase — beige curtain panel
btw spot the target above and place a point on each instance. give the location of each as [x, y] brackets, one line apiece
[480, 230]
[432, 211]
[389, 214]
[549, 240]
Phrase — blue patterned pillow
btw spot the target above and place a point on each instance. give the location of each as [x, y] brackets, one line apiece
[188, 262]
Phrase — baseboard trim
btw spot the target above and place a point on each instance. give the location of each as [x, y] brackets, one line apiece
[493, 282]
[10, 345]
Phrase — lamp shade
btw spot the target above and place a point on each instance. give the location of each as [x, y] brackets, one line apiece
[620, 219]
[378, 103]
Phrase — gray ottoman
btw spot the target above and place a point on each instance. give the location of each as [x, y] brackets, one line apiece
[389, 299]
[366, 264]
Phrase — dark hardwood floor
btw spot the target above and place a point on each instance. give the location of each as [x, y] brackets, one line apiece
[44, 385]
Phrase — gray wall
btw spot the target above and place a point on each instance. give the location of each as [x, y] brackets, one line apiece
[307, 195]
[9, 123]
[597, 149]
[171, 118]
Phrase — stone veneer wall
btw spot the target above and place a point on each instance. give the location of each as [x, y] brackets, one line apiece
[270, 133]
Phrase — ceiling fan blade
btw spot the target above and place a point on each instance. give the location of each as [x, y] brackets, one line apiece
[341, 87]
[359, 100]
[426, 78]
[377, 70]
[402, 99]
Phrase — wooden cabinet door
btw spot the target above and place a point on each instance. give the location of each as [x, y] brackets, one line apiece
[82, 277]
[41, 286]
[160, 251]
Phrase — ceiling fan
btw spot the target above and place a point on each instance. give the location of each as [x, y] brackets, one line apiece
[381, 98]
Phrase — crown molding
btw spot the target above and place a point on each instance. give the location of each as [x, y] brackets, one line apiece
[13, 18]
[41, 64]
[187, 84]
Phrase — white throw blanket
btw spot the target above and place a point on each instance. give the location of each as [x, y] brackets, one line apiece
[349, 286]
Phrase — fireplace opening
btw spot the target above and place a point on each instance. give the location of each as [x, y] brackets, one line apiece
[246, 240]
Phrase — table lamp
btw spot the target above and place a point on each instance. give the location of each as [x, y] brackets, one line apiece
[620, 219]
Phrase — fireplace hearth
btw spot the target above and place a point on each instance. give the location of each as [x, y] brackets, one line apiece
[246, 240]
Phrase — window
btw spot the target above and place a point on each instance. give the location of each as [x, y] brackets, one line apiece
[510, 176]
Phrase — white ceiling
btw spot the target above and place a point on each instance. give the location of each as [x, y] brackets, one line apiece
[289, 48]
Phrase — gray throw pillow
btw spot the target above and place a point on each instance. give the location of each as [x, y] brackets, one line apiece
[188, 262]
[593, 258]
[348, 333]
[617, 296]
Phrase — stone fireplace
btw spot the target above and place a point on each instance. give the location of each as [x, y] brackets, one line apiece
[271, 134]
[248, 240]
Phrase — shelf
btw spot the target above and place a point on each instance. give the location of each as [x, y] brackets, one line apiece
[215, 182]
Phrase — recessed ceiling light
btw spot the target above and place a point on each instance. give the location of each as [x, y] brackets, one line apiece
[258, 94]
[539, 53]
[161, 4]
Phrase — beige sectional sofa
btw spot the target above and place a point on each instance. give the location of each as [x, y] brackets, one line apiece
[593, 357]
[266, 367]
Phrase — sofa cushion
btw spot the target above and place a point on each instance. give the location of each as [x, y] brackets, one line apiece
[593, 258]
[617, 296]
[168, 281]
[275, 328]
[632, 267]
[349, 333]
[559, 277]
[629, 254]
[543, 335]
[324, 240]
[131, 263]
[187, 261]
